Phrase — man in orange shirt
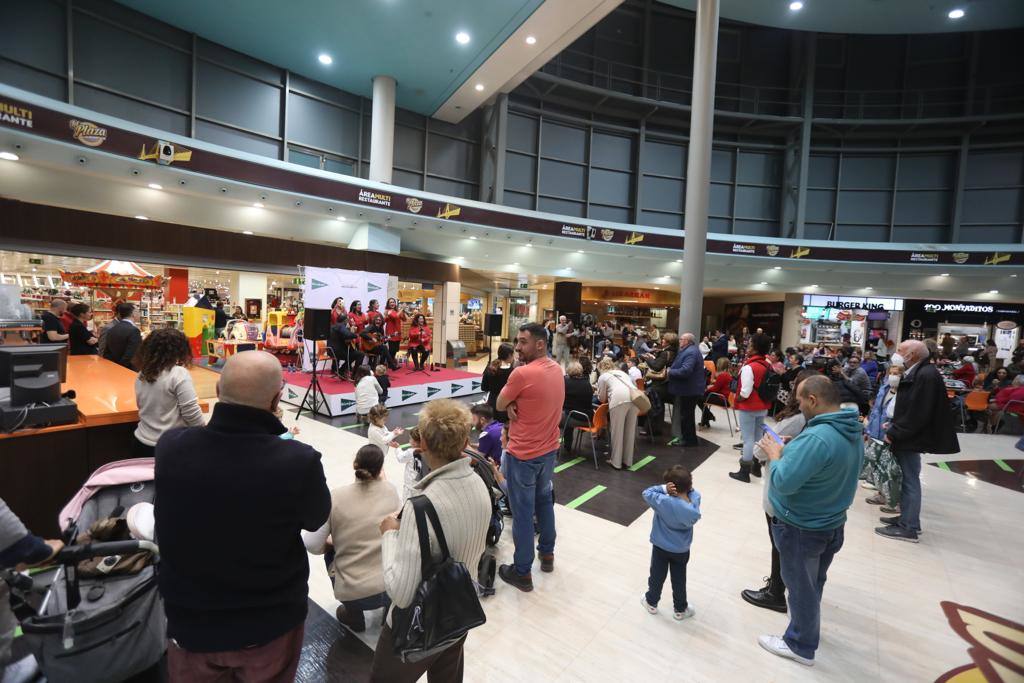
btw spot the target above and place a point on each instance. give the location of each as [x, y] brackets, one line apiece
[533, 398]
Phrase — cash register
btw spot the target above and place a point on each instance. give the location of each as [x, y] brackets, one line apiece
[30, 379]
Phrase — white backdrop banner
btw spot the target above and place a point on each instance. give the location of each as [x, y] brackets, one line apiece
[324, 284]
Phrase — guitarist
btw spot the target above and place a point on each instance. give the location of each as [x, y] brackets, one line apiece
[343, 342]
[372, 340]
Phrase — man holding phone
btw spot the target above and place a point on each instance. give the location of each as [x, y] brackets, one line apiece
[813, 480]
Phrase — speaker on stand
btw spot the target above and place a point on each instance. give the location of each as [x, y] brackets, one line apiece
[316, 327]
[492, 328]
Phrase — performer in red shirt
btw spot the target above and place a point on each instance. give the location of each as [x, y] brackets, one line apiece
[356, 318]
[337, 310]
[419, 340]
[393, 325]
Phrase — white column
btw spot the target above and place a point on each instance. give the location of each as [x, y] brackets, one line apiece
[792, 311]
[382, 129]
[446, 318]
[698, 165]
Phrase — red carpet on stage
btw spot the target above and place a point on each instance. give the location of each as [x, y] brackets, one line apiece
[399, 378]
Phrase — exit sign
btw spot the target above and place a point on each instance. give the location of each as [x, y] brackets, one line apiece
[35, 261]
[298, 280]
[524, 285]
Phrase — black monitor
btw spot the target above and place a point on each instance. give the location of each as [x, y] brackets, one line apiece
[52, 358]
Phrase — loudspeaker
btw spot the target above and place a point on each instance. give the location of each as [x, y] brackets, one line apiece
[316, 325]
[569, 299]
[492, 325]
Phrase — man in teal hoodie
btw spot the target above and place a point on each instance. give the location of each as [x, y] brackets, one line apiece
[812, 483]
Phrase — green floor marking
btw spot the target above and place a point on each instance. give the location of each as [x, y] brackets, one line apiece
[673, 441]
[944, 466]
[641, 463]
[404, 446]
[567, 465]
[17, 632]
[585, 497]
[1003, 466]
[355, 426]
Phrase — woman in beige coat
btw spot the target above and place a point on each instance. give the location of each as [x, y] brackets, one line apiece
[613, 388]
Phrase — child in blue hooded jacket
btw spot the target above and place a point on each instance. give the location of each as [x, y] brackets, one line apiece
[676, 506]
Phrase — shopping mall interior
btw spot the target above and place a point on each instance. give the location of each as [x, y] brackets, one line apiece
[841, 183]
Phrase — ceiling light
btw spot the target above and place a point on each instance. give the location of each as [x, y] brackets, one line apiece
[461, 37]
[33, 269]
[530, 40]
[247, 232]
[472, 237]
[529, 245]
[218, 272]
[1013, 274]
[258, 205]
[764, 283]
[9, 156]
[155, 186]
[141, 218]
[796, 6]
[813, 286]
[868, 289]
[944, 275]
[516, 263]
[777, 268]
[325, 59]
[679, 260]
[657, 287]
[993, 291]
[580, 251]
[340, 218]
[479, 87]
[955, 13]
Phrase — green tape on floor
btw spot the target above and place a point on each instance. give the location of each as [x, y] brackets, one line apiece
[17, 632]
[1003, 466]
[404, 446]
[573, 504]
[944, 466]
[567, 465]
[355, 426]
[641, 463]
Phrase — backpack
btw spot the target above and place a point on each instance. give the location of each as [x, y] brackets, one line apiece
[483, 468]
[770, 384]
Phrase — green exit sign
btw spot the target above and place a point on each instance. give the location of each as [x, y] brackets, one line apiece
[298, 280]
[35, 261]
[524, 285]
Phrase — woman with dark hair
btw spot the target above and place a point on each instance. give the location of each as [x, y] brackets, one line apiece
[997, 379]
[337, 309]
[163, 389]
[356, 317]
[83, 342]
[393, 319]
[496, 376]
[237, 313]
[419, 341]
[353, 529]
[373, 339]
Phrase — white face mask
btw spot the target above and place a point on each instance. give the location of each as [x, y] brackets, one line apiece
[897, 359]
[894, 381]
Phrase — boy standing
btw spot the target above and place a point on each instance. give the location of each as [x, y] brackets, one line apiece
[676, 506]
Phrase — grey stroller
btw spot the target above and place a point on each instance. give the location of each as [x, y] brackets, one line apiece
[106, 627]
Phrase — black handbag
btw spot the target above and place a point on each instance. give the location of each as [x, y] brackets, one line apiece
[445, 606]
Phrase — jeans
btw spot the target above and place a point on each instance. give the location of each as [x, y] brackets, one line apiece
[354, 608]
[910, 490]
[662, 563]
[778, 583]
[751, 422]
[531, 494]
[684, 425]
[806, 556]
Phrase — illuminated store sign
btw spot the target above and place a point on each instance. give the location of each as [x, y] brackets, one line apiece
[942, 307]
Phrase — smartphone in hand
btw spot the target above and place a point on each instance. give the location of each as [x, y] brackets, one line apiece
[772, 433]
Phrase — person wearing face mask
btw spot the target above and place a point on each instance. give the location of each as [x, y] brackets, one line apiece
[880, 467]
[920, 424]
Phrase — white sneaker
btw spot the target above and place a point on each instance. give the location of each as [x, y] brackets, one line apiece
[679, 616]
[777, 646]
[868, 485]
[647, 606]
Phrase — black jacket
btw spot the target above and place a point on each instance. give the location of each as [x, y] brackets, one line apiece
[922, 421]
[121, 341]
[234, 497]
[719, 348]
[579, 395]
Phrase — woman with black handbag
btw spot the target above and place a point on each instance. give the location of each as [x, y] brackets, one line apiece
[434, 599]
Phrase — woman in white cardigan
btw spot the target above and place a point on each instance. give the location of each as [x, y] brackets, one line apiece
[613, 388]
[163, 389]
[463, 507]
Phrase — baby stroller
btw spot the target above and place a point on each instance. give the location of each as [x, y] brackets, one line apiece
[488, 563]
[97, 620]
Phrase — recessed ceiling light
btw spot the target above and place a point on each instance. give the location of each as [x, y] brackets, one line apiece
[258, 205]
[955, 13]
[218, 272]
[247, 232]
[461, 37]
[530, 40]
[472, 237]
[679, 260]
[657, 287]
[813, 286]
[764, 283]
[796, 6]
[340, 218]
[9, 156]
[33, 269]
[944, 275]
[325, 59]
[993, 291]
[529, 244]
[868, 288]
[580, 251]
[1013, 274]
[155, 186]
[777, 268]
[478, 87]
[141, 218]
[516, 263]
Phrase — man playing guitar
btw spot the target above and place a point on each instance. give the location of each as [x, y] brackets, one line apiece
[372, 340]
[419, 340]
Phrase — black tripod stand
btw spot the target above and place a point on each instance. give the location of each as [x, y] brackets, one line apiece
[314, 397]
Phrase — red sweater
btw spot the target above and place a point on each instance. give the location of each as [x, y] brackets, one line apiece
[1011, 393]
[965, 373]
[720, 385]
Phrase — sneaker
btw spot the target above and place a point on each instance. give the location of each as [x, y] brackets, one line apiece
[897, 533]
[547, 563]
[890, 521]
[877, 499]
[685, 614]
[891, 509]
[868, 485]
[510, 576]
[777, 646]
[737, 446]
[651, 609]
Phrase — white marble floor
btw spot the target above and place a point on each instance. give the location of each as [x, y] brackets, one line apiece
[881, 615]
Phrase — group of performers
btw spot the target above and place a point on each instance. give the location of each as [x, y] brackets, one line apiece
[377, 334]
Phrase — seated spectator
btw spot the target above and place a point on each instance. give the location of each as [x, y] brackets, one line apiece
[1000, 402]
[967, 371]
[775, 361]
[352, 529]
[721, 384]
[579, 397]
[633, 369]
[997, 379]
[489, 442]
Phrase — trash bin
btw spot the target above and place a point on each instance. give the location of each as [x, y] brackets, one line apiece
[457, 359]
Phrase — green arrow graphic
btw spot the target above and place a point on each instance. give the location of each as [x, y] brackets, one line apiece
[406, 395]
[432, 390]
[456, 387]
[317, 284]
[292, 394]
[346, 404]
[476, 385]
[370, 287]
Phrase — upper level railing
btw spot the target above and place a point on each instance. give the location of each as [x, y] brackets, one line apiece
[912, 103]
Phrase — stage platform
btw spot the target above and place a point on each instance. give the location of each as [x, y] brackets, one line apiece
[407, 388]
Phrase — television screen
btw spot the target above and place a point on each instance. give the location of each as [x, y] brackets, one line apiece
[473, 305]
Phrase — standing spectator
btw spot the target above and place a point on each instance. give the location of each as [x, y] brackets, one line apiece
[463, 507]
[495, 377]
[164, 390]
[353, 527]
[988, 356]
[719, 347]
[676, 506]
[489, 442]
[884, 350]
[122, 339]
[859, 377]
[368, 392]
[881, 469]
[229, 615]
[1018, 353]
[686, 386]
[237, 313]
[963, 347]
[705, 346]
[613, 388]
[53, 325]
[220, 319]
[812, 482]
[751, 409]
[947, 344]
[921, 423]
[533, 398]
[560, 345]
[657, 379]
[83, 342]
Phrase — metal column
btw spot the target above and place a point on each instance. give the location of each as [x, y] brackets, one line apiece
[382, 129]
[810, 55]
[698, 166]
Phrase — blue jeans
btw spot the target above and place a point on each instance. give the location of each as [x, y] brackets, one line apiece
[663, 562]
[806, 556]
[354, 608]
[910, 490]
[531, 494]
[751, 422]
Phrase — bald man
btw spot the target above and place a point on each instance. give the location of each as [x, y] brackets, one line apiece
[921, 423]
[233, 499]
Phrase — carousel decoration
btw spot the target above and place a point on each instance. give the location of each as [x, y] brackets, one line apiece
[120, 280]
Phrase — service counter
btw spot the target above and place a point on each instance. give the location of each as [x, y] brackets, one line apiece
[42, 468]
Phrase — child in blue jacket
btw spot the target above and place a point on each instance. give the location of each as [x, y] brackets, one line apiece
[676, 507]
